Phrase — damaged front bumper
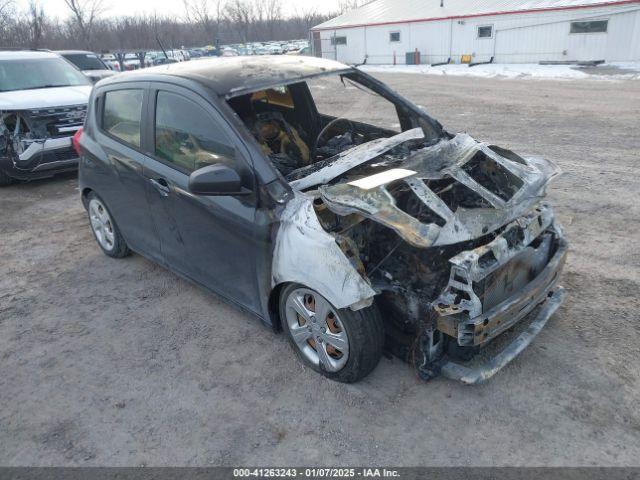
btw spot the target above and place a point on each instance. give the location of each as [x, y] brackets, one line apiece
[38, 143]
[40, 160]
[495, 286]
[480, 373]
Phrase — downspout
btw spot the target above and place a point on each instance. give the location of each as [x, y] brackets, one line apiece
[366, 45]
[451, 38]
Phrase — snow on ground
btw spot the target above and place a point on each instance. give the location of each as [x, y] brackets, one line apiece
[609, 71]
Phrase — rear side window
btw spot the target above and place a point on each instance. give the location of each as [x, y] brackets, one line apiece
[85, 61]
[121, 115]
[187, 136]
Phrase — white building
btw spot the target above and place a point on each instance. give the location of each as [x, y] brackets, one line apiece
[511, 31]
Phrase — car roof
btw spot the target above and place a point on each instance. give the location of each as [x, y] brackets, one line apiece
[74, 52]
[231, 76]
[26, 54]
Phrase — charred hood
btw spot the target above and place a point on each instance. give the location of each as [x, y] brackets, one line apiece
[452, 191]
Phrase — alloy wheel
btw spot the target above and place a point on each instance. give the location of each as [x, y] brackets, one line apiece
[316, 329]
[101, 224]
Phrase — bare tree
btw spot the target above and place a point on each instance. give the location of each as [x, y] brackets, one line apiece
[36, 23]
[240, 14]
[346, 5]
[85, 14]
[205, 13]
[273, 13]
[6, 14]
[233, 21]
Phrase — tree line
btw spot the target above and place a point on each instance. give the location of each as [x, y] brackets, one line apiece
[91, 25]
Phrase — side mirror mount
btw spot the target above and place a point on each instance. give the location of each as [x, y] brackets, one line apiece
[216, 180]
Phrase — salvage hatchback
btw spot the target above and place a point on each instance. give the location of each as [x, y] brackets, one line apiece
[313, 196]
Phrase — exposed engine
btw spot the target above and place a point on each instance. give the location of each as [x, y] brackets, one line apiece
[404, 217]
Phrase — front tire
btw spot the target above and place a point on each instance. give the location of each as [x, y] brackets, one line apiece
[340, 344]
[104, 228]
[5, 180]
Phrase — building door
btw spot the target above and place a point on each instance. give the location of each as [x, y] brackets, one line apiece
[317, 44]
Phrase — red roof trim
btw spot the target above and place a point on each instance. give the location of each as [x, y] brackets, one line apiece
[508, 12]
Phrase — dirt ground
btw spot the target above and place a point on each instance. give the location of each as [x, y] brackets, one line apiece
[119, 362]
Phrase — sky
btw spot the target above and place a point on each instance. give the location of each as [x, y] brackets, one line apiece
[171, 7]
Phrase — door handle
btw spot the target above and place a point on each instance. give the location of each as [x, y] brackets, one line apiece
[161, 186]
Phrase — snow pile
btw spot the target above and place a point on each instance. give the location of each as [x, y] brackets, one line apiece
[611, 71]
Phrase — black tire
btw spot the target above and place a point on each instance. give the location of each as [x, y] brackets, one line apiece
[365, 332]
[119, 248]
[5, 179]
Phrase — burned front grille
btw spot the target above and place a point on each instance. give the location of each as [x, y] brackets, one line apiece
[59, 121]
[496, 276]
[512, 277]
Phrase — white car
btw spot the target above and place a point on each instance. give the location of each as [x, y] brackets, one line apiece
[229, 52]
[131, 61]
[43, 102]
[110, 61]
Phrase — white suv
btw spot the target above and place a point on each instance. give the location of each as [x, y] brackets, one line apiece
[43, 102]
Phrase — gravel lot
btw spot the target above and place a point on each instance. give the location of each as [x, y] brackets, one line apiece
[107, 362]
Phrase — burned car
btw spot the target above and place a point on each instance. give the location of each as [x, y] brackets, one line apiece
[310, 194]
[43, 102]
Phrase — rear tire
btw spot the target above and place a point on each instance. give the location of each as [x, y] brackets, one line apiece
[104, 228]
[351, 342]
[5, 180]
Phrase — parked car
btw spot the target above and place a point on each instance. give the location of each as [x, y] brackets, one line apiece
[43, 102]
[87, 62]
[162, 60]
[245, 51]
[345, 232]
[110, 61]
[131, 62]
[301, 51]
[229, 52]
[150, 57]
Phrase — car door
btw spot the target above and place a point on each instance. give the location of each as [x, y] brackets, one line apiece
[120, 181]
[210, 239]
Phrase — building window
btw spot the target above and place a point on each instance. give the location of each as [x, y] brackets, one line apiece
[486, 31]
[394, 36]
[597, 26]
[338, 40]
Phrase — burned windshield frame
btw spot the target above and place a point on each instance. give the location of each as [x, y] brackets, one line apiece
[410, 115]
[407, 110]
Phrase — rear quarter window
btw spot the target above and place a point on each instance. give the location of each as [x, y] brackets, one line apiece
[121, 115]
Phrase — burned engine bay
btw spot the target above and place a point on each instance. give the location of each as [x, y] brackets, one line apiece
[449, 236]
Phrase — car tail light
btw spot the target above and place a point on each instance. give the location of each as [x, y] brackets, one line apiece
[76, 141]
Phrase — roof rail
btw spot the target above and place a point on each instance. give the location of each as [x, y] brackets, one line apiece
[23, 49]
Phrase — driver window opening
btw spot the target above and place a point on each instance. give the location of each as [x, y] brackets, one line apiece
[184, 137]
[295, 135]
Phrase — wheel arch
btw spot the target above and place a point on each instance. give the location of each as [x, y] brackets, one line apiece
[84, 196]
[274, 306]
